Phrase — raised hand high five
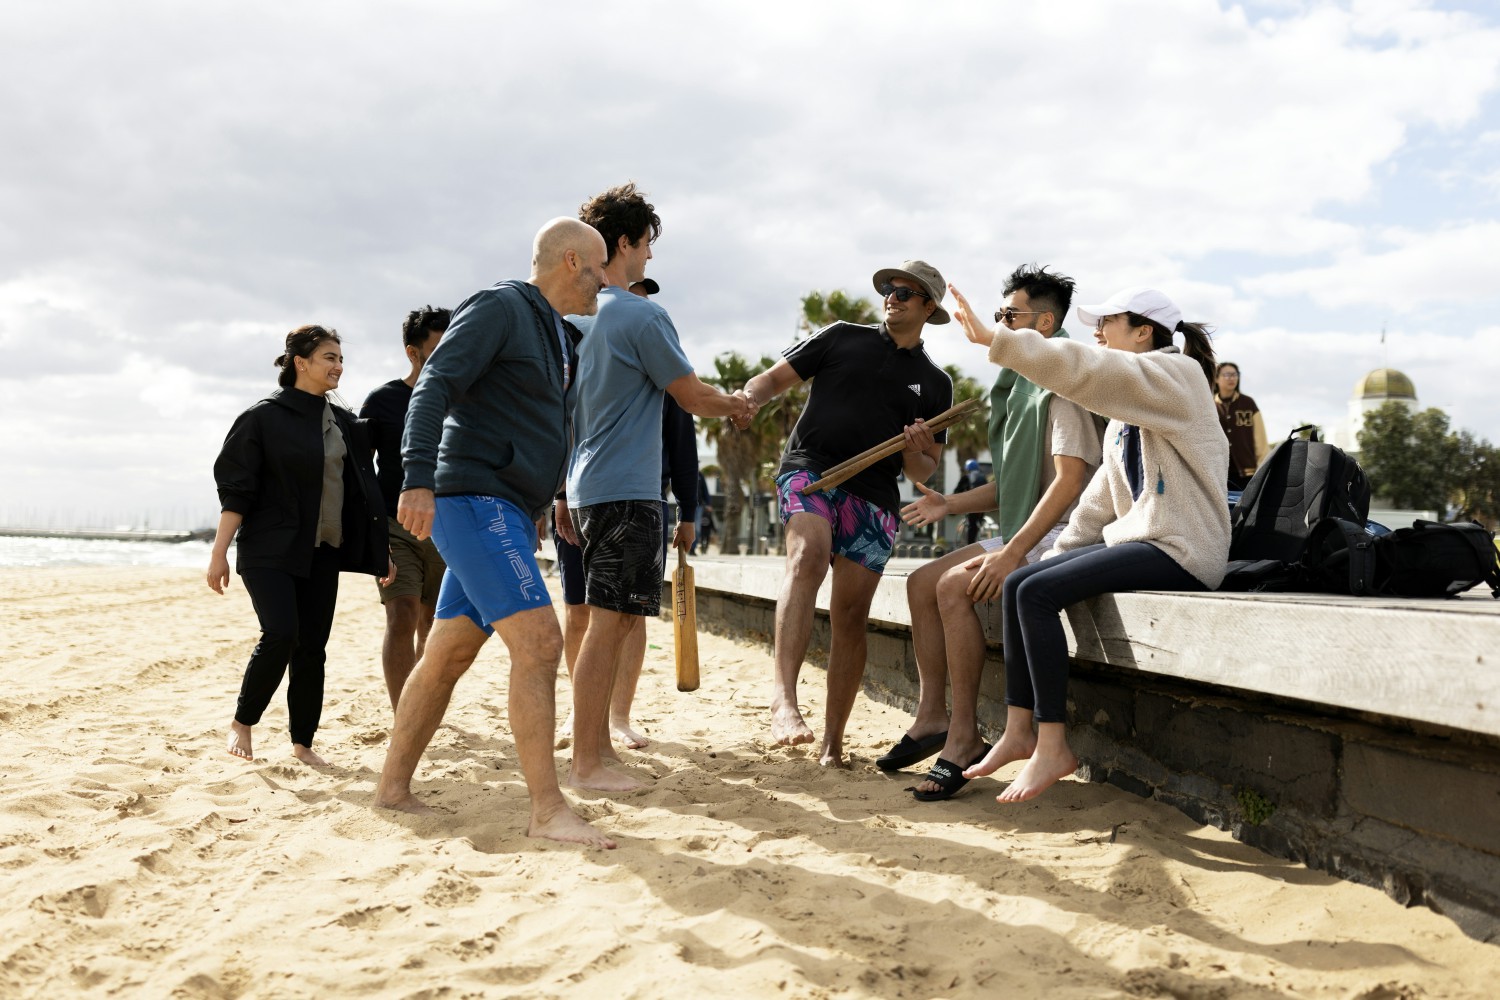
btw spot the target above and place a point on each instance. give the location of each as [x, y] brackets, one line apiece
[974, 329]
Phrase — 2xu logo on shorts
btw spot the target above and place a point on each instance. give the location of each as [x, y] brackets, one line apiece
[531, 588]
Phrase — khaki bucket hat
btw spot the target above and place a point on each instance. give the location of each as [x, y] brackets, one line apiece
[926, 276]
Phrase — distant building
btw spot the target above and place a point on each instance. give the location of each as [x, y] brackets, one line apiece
[1381, 386]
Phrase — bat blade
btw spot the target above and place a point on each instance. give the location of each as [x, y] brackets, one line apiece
[685, 624]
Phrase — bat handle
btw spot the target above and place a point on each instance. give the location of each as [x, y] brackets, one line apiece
[682, 558]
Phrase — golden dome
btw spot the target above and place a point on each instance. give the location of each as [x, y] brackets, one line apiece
[1385, 383]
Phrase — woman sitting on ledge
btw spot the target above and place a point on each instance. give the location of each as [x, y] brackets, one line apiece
[1152, 518]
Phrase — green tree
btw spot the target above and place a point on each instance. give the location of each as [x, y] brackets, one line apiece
[748, 457]
[1412, 459]
[1478, 495]
[818, 310]
[970, 436]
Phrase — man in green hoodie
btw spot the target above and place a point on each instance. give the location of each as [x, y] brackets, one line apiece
[1044, 449]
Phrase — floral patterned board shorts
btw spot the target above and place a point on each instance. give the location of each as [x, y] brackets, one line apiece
[862, 532]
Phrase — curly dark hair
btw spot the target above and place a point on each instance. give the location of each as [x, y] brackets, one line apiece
[423, 323]
[300, 343]
[621, 211]
[1047, 290]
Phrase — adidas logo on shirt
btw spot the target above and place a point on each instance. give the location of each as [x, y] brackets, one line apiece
[916, 389]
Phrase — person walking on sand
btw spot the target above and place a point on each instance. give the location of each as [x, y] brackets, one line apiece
[679, 473]
[411, 599]
[629, 359]
[1045, 448]
[871, 383]
[1153, 518]
[485, 449]
[297, 487]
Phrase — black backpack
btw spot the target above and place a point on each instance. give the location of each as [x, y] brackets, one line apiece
[1425, 560]
[1300, 484]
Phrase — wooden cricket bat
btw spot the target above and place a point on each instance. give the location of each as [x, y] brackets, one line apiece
[685, 623]
[851, 467]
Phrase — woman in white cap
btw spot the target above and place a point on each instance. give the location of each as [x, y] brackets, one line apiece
[1152, 518]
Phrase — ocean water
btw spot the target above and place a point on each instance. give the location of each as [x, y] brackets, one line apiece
[86, 552]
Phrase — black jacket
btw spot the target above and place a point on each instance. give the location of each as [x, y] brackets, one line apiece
[270, 470]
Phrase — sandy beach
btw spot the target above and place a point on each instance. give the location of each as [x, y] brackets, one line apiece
[141, 860]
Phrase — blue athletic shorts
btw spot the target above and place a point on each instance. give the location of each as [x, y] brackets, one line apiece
[489, 545]
[862, 532]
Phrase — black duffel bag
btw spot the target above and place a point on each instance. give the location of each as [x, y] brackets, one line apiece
[1425, 560]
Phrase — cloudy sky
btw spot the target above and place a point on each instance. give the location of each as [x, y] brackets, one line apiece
[184, 182]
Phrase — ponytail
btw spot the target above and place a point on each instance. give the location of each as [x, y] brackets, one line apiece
[1196, 346]
[1194, 341]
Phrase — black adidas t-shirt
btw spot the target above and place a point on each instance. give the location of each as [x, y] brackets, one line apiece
[865, 390]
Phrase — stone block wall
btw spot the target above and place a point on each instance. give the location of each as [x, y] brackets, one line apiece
[1410, 808]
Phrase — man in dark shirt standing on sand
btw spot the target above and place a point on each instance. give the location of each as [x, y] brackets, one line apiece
[872, 383]
[411, 598]
[485, 449]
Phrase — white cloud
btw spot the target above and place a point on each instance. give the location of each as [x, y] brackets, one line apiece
[1405, 271]
[183, 184]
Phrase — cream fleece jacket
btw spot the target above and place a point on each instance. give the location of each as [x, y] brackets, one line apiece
[1182, 509]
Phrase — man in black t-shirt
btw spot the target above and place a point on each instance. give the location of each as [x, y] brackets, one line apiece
[872, 383]
[411, 598]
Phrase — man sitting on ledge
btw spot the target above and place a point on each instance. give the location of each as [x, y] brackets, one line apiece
[1045, 449]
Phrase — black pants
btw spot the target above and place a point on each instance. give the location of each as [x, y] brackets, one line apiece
[1036, 648]
[296, 614]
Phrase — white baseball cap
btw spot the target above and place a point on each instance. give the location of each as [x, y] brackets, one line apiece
[1142, 301]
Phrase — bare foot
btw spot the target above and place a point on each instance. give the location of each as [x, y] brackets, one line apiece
[239, 741]
[1009, 749]
[833, 757]
[565, 733]
[307, 755]
[567, 827]
[1044, 770]
[787, 727]
[623, 734]
[406, 802]
[602, 779]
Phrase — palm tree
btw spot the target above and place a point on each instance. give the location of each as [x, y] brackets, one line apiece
[970, 436]
[742, 454]
[818, 310]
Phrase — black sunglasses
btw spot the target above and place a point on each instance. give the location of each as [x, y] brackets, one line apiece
[900, 293]
[1008, 315]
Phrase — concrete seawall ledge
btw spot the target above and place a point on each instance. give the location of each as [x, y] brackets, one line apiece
[1360, 737]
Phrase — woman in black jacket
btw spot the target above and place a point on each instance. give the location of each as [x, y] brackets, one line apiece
[297, 482]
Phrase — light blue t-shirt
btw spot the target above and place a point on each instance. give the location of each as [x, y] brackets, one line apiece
[628, 356]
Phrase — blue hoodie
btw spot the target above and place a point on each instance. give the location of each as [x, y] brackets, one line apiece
[491, 412]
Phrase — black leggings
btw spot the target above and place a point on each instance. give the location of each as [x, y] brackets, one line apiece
[1036, 648]
[296, 614]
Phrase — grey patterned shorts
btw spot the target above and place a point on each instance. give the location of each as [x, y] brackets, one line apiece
[622, 557]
